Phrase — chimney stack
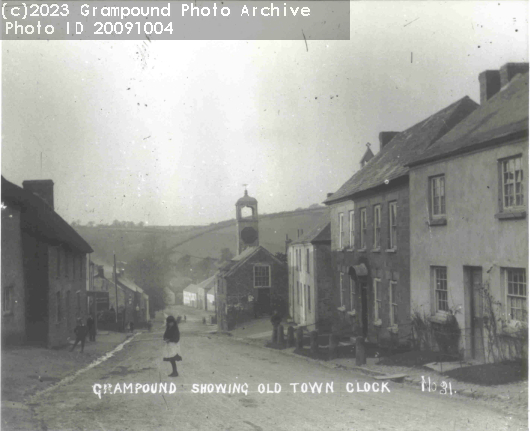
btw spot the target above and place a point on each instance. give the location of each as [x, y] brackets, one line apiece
[100, 271]
[42, 188]
[509, 70]
[385, 138]
[490, 84]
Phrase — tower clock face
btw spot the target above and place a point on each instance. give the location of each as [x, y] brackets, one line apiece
[249, 235]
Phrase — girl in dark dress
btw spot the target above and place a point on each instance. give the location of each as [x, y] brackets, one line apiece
[172, 346]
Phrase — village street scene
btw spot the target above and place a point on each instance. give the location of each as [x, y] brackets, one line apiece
[270, 235]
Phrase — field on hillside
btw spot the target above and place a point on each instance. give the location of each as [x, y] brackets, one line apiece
[202, 241]
[272, 231]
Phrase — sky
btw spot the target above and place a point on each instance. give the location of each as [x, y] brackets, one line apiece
[167, 132]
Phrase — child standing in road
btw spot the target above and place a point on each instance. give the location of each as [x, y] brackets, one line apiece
[172, 347]
[80, 335]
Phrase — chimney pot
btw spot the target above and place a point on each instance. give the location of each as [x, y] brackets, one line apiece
[385, 138]
[509, 70]
[42, 188]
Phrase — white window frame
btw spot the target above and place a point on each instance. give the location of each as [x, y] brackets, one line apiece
[341, 289]
[352, 228]
[522, 299]
[377, 227]
[307, 260]
[437, 193]
[392, 225]
[341, 229]
[308, 288]
[268, 267]
[392, 287]
[378, 299]
[439, 290]
[58, 305]
[7, 299]
[364, 228]
[517, 166]
[352, 294]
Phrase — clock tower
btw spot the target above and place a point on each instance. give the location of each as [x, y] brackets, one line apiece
[247, 227]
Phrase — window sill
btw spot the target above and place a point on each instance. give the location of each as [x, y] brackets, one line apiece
[351, 250]
[7, 313]
[511, 215]
[376, 250]
[362, 250]
[341, 308]
[441, 317]
[391, 250]
[438, 221]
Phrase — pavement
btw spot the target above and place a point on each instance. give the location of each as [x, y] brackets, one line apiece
[27, 370]
[513, 395]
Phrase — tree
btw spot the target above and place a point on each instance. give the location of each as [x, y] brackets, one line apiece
[150, 269]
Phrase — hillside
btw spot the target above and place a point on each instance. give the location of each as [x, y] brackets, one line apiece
[200, 241]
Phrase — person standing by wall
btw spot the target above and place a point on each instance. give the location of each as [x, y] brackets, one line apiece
[80, 335]
[91, 326]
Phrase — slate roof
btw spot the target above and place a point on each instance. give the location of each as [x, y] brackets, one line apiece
[321, 232]
[390, 163]
[236, 262]
[503, 116]
[208, 283]
[192, 288]
[40, 220]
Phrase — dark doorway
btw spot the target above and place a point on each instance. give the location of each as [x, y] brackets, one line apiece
[36, 273]
[474, 314]
[264, 301]
[364, 308]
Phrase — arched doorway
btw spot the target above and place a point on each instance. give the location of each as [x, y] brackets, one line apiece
[359, 274]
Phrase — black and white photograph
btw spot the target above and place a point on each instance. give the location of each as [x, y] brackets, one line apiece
[312, 215]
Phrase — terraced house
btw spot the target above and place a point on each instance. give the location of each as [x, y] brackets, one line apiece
[44, 262]
[370, 231]
[469, 223]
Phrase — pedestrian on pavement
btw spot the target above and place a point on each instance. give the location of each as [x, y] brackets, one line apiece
[91, 326]
[80, 335]
[131, 326]
[276, 318]
[172, 347]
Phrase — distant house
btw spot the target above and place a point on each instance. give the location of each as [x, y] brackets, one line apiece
[311, 302]
[203, 289]
[370, 231]
[254, 282]
[190, 296]
[469, 221]
[132, 302]
[44, 262]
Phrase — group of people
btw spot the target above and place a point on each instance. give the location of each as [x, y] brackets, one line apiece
[81, 331]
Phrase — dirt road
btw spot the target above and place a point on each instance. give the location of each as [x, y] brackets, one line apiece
[269, 403]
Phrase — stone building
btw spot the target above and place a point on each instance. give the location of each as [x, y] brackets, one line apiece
[311, 302]
[44, 268]
[469, 223]
[254, 282]
[370, 231]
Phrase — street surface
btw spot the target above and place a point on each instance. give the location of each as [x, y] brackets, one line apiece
[216, 359]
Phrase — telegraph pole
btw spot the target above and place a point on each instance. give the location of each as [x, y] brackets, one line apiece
[116, 286]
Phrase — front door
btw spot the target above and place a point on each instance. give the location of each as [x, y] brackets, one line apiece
[474, 312]
[364, 308]
[264, 300]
